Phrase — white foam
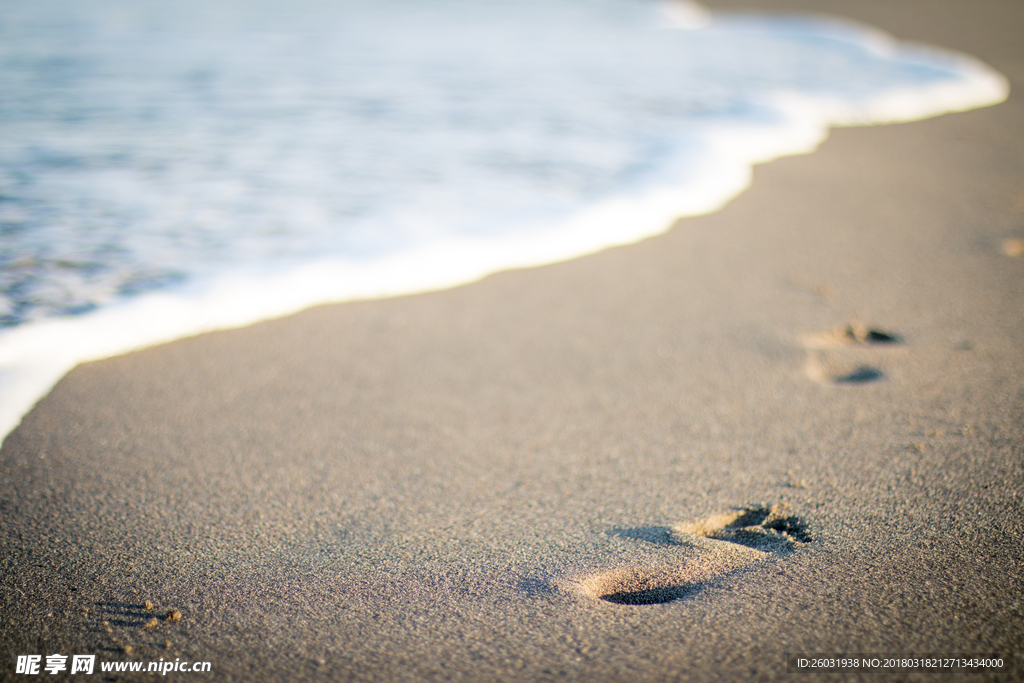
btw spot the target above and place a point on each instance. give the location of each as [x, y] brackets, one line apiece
[33, 357]
[685, 14]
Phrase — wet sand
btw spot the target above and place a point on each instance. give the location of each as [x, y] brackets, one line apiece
[793, 426]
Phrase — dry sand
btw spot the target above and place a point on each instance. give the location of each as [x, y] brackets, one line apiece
[441, 487]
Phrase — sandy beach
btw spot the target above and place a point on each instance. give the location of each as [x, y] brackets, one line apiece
[792, 426]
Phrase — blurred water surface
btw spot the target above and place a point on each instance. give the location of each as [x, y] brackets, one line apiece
[146, 144]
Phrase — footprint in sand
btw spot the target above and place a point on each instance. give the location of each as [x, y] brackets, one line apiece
[706, 550]
[841, 355]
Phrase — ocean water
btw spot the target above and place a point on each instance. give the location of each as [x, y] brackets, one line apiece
[168, 168]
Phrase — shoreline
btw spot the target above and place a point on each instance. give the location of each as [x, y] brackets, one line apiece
[452, 484]
[34, 355]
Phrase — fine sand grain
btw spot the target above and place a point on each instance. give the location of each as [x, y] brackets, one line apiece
[648, 464]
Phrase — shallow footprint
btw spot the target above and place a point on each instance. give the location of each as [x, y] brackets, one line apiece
[833, 356]
[832, 371]
[769, 529]
[852, 334]
[707, 548]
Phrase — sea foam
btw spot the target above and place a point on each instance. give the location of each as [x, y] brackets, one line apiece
[169, 170]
